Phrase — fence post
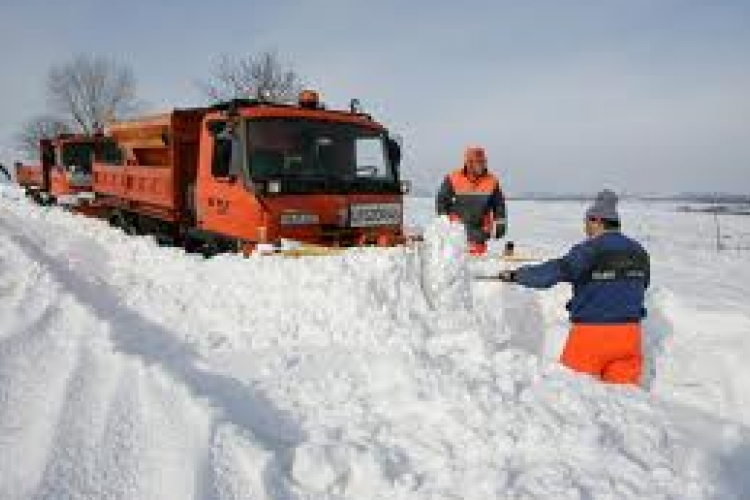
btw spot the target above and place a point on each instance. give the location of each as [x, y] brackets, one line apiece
[718, 231]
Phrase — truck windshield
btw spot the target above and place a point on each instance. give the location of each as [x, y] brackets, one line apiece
[308, 149]
[77, 155]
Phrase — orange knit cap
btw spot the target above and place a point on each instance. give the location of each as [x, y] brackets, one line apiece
[474, 154]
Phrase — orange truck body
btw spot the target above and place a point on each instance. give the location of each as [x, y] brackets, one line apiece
[159, 161]
[300, 173]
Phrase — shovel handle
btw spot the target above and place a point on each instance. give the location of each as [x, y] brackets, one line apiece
[485, 278]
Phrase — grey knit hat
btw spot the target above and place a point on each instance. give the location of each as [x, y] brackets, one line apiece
[604, 207]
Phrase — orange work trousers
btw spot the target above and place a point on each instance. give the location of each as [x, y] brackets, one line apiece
[609, 352]
[477, 248]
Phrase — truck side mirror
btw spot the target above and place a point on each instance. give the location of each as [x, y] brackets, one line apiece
[222, 159]
[394, 152]
[216, 127]
[48, 154]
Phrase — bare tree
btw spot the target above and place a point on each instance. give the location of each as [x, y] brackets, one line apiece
[260, 77]
[37, 128]
[93, 91]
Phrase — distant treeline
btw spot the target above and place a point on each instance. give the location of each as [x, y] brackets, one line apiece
[714, 198]
[728, 209]
[726, 199]
[682, 197]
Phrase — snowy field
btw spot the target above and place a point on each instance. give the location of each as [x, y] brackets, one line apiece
[133, 371]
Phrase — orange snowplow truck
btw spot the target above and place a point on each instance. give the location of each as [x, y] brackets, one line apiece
[240, 174]
[64, 174]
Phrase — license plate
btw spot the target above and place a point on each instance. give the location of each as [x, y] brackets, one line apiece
[375, 214]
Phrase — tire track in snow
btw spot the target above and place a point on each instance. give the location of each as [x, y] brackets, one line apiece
[36, 363]
[34, 374]
[26, 297]
[72, 468]
[83, 443]
[135, 336]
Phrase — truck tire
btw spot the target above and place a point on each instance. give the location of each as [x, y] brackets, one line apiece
[120, 220]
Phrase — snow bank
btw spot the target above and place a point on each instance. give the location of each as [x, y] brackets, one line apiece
[133, 371]
[444, 266]
[11, 191]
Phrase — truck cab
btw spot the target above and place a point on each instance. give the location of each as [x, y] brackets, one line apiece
[64, 173]
[268, 173]
[70, 176]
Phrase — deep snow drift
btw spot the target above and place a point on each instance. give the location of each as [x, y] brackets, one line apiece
[133, 371]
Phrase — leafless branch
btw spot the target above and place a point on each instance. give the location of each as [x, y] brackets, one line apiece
[93, 91]
[35, 129]
[260, 77]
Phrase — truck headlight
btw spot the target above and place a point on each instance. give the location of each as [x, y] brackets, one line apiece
[274, 186]
[263, 187]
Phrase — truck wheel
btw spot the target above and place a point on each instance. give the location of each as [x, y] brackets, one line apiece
[130, 228]
[112, 219]
[209, 249]
[120, 220]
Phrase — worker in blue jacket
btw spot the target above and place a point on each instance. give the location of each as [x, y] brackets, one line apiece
[609, 273]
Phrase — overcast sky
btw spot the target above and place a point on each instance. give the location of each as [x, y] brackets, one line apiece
[636, 95]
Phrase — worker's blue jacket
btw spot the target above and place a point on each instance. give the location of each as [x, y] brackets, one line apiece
[609, 274]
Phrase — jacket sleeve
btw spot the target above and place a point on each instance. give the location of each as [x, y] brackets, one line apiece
[497, 203]
[444, 199]
[569, 268]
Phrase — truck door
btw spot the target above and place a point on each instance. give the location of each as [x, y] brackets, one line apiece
[224, 204]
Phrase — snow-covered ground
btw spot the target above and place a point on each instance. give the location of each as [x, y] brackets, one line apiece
[129, 370]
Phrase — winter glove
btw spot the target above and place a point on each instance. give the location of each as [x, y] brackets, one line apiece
[508, 276]
[500, 229]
